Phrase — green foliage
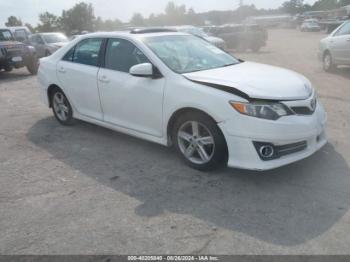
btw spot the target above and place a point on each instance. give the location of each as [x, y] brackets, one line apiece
[48, 23]
[13, 21]
[79, 18]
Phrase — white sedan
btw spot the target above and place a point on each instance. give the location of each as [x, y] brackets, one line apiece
[176, 89]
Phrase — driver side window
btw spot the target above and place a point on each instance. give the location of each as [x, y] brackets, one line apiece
[121, 55]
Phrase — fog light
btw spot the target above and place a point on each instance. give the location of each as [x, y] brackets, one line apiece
[266, 151]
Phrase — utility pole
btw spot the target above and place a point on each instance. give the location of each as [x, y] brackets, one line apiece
[241, 3]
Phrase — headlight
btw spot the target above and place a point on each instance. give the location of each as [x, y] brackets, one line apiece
[265, 110]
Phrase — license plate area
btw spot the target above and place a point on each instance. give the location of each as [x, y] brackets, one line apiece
[17, 59]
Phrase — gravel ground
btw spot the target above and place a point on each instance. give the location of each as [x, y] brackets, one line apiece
[87, 190]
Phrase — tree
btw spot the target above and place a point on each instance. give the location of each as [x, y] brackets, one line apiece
[48, 22]
[344, 2]
[79, 18]
[137, 20]
[325, 5]
[13, 21]
[30, 27]
[293, 6]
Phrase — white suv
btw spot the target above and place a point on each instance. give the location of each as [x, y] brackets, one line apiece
[177, 89]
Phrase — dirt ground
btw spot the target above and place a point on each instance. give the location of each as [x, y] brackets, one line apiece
[87, 190]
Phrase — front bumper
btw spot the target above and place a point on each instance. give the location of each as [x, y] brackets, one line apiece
[241, 134]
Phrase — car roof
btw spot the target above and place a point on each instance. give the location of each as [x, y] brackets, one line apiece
[128, 34]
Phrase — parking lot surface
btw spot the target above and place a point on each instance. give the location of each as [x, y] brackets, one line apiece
[88, 190]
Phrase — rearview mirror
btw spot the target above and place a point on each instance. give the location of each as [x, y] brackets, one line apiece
[142, 70]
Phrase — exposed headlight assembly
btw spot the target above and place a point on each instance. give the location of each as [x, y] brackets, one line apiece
[261, 109]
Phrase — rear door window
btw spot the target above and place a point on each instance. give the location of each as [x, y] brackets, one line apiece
[87, 52]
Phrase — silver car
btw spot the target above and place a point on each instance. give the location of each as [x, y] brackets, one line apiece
[335, 49]
[47, 43]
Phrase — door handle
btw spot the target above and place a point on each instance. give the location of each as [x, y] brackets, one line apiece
[62, 70]
[104, 79]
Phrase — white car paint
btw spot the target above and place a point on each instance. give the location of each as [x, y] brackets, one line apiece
[143, 107]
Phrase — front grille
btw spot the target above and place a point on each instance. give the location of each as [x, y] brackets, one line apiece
[302, 110]
[3, 51]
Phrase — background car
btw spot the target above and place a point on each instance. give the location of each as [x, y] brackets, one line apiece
[241, 37]
[334, 50]
[20, 33]
[310, 25]
[47, 43]
[14, 54]
[219, 42]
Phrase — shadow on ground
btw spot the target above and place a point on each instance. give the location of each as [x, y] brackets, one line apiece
[13, 76]
[287, 206]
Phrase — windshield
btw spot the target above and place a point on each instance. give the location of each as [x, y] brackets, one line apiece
[5, 35]
[55, 38]
[185, 54]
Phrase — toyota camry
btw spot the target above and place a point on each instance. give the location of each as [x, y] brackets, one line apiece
[179, 90]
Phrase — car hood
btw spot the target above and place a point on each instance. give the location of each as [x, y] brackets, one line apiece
[257, 81]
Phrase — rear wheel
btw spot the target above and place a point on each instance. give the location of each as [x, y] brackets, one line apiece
[61, 108]
[328, 64]
[199, 141]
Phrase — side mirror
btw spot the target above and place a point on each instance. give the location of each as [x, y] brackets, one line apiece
[142, 70]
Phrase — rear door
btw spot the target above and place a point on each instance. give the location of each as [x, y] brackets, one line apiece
[77, 72]
[340, 45]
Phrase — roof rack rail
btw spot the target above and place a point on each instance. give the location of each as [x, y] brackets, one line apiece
[151, 30]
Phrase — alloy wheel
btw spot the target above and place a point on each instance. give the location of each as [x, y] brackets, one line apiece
[196, 142]
[60, 105]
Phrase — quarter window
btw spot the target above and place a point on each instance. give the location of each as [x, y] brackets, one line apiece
[121, 55]
[87, 52]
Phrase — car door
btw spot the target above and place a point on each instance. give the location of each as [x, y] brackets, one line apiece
[340, 44]
[77, 73]
[128, 101]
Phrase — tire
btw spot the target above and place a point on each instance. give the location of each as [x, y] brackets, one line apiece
[8, 69]
[328, 64]
[61, 108]
[194, 132]
[32, 65]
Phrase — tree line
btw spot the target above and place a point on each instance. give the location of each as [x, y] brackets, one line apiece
[81, 16]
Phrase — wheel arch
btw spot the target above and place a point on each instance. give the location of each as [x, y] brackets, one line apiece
[50, 91]
[179, 112]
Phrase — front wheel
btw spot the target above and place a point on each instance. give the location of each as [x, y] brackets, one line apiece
[200, 142]
[33, 65]
[328, 64]
[61, 108]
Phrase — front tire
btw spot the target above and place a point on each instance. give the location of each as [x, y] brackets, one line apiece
[199, 141]
[32, 66]
[328, 64]
[61, 108]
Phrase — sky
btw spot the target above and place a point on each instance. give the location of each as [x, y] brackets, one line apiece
[28, 10]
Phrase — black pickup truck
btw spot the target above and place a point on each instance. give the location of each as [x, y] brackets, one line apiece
[15, 54]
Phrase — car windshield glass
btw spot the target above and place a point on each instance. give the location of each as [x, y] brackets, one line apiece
[5, 35]
[55, 38]
[185, 54]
